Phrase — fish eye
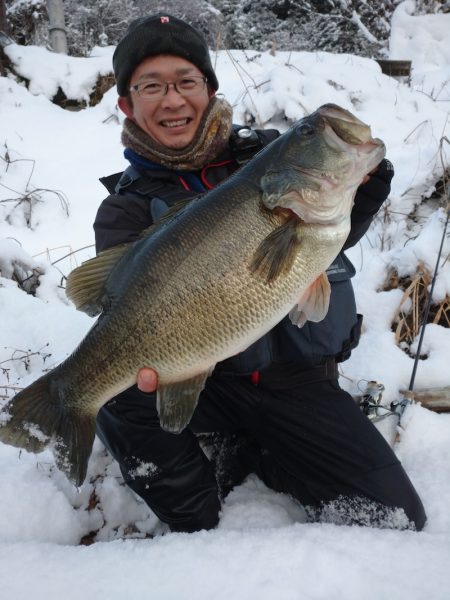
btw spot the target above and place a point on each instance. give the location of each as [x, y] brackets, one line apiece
[305, 129]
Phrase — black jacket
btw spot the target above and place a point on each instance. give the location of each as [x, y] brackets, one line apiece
[138, 197]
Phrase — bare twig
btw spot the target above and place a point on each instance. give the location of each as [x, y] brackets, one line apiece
[34, 196]
[4, 395]
[25, 355]
[237, 66]
[415, 128]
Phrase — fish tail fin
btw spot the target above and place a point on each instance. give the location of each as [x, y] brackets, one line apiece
[37, 417]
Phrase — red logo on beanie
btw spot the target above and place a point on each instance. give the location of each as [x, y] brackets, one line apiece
[164, 19]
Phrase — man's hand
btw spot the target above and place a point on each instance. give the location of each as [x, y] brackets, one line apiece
[147, 380]
[367, 177]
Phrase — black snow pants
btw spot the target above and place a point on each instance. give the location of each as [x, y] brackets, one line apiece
[310, 441]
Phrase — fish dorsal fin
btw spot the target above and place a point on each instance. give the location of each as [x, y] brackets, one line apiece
[168, 215]
[276, 254]
[176, 208]
[176, 402]
[86, 284]
[313, 304]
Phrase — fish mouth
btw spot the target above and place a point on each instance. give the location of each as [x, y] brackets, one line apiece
[345, 129]
[319, 186]
[346, 126]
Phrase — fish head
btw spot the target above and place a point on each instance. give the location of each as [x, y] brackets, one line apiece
[319, 165]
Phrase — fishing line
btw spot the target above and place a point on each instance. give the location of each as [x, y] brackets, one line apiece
[427, 307]
[399, 407]
[433, 281]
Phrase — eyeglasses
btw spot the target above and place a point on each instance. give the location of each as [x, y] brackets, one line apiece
[155, 90]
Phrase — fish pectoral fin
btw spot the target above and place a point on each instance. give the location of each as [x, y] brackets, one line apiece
[176, 402]
[276, 254]
[86, 284]
[313, 304]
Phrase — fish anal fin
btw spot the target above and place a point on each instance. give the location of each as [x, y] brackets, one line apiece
[86, 284]
[313, 303]
[276, 254]
[176, 402]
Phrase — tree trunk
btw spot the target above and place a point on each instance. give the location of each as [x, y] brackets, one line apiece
[57, 28]
[3, 23]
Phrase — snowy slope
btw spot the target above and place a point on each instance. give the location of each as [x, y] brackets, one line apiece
[51, 160]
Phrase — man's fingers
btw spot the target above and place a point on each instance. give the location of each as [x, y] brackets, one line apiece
[147, 380]
[367, 177]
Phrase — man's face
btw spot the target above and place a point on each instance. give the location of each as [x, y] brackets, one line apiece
[173, 119]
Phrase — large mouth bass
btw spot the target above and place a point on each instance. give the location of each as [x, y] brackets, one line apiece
[202, 286]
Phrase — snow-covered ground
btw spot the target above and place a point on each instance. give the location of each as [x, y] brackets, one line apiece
[50, 162]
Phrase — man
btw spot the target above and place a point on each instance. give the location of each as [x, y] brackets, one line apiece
[279, 402]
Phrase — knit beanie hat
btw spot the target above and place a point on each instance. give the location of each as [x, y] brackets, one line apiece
[160, 34]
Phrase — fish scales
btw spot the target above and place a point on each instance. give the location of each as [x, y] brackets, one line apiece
[203, 286]
[195, 306]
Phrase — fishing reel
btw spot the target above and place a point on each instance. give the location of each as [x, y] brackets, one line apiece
[370, 402]
[244, 144]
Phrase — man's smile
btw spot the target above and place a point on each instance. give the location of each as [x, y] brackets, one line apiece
[176, 123]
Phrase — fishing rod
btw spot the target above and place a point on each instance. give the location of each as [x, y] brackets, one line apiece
[400, 407]
[407, 399]
[371, 400]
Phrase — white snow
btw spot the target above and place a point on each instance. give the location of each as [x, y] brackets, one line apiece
[50, 162]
